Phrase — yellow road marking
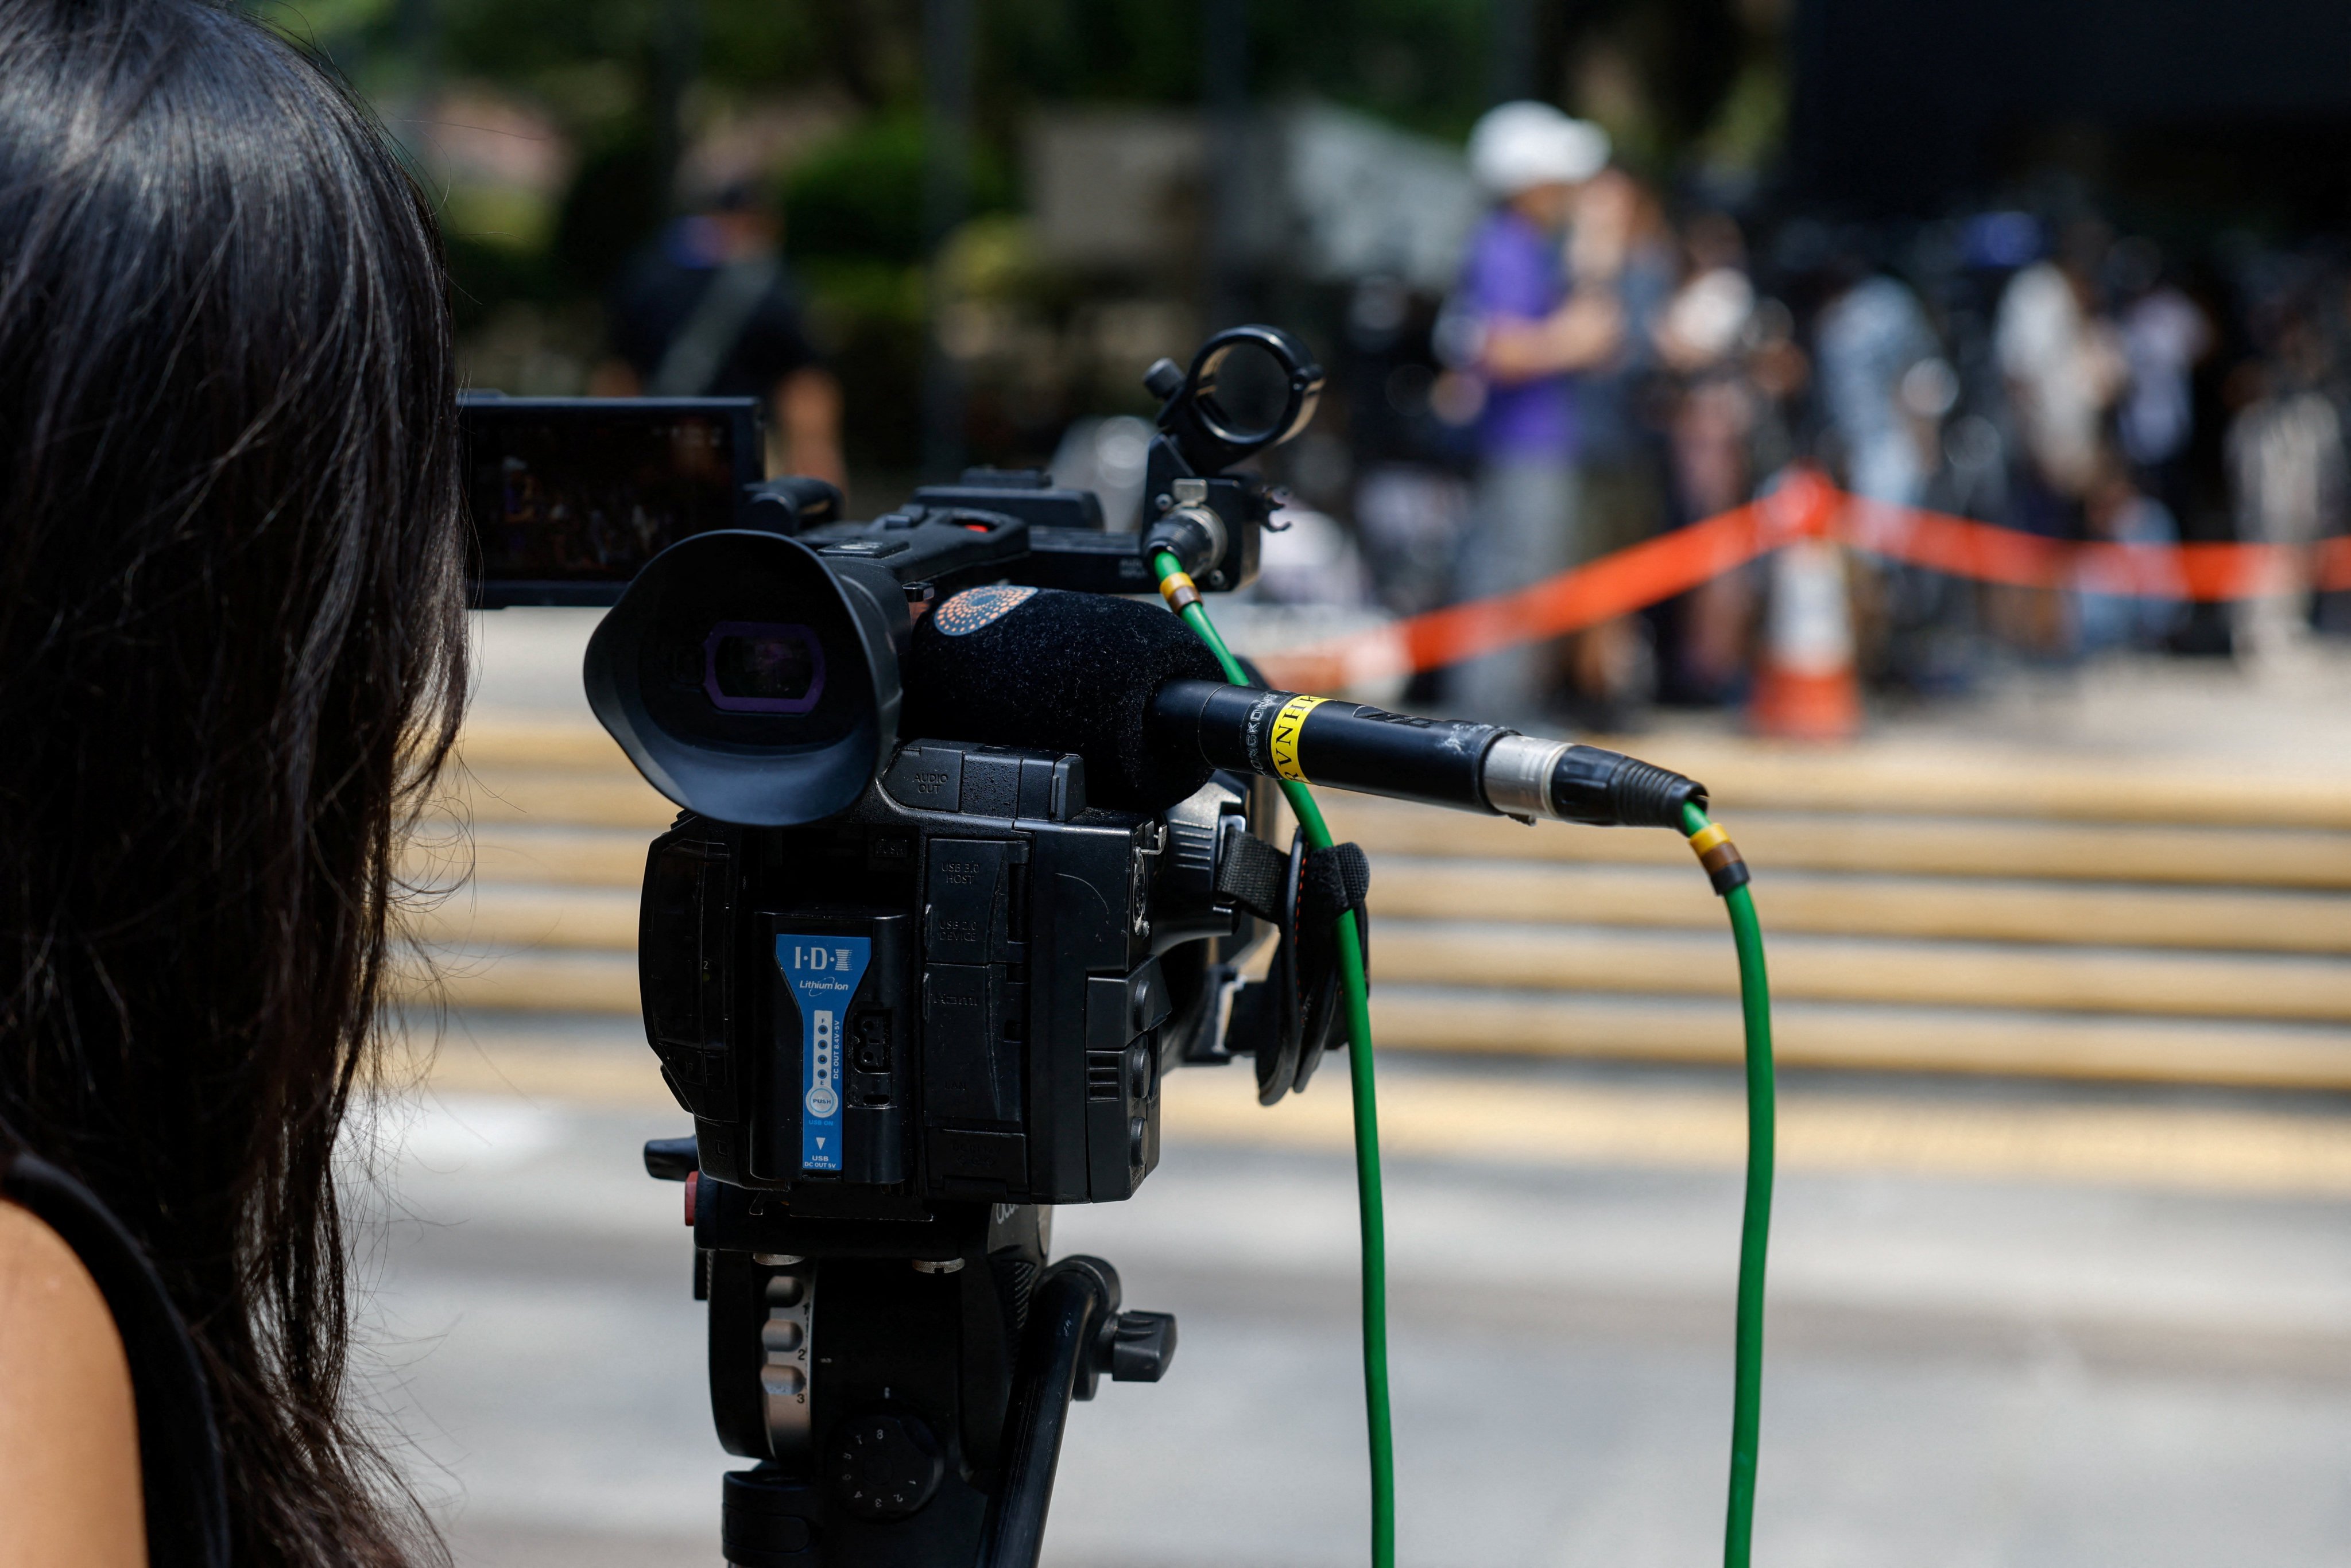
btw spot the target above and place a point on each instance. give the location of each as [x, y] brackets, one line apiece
[2182, 1148]
[2176, 1148]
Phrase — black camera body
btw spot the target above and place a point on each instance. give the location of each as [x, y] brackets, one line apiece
[887, 970]
[969, 859]
[966, 987]
[915, 986]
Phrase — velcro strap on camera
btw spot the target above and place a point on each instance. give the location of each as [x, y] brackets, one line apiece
[1251, 874]
[1337, 879]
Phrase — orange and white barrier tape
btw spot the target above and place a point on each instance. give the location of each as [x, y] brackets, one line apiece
[1802, 503]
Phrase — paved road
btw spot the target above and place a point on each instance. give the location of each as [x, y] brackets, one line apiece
[2002, 1369]
[1962, 1372]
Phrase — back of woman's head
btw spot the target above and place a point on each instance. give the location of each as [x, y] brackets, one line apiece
[230, 654]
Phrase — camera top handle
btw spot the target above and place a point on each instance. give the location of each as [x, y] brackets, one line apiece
[1249, 388]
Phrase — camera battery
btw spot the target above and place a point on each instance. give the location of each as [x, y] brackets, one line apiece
[836, 1088]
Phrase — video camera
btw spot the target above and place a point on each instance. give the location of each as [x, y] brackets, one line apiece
[968, 859]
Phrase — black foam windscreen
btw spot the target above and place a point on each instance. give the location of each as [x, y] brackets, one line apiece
[1048, 671]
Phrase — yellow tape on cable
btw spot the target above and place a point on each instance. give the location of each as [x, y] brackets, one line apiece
[1281, 746]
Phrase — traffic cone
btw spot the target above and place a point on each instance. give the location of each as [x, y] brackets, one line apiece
[1805, 685]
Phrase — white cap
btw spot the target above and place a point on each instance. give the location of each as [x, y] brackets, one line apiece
[1518, 146]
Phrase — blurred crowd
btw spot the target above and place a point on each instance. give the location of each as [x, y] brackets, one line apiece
[1611, 367]
[1615, 362]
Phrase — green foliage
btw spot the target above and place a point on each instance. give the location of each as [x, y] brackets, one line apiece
[868, 49]
[534, 44]
[765, 45]
[861, 193]
[1753, 120]
[868, 319]
[994, 258]
[614, 204]
[853, 228]
[1091, 51]
[1422, 63]
[483, 276]
[317, 23]
[1676, 62]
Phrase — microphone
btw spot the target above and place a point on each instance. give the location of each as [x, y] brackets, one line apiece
[1046, 670]
[1431, 762]
[1129, 690]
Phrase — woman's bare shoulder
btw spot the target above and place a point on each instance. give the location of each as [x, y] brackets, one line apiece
[68, 1426]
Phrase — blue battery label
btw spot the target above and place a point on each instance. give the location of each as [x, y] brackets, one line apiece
[823, 972]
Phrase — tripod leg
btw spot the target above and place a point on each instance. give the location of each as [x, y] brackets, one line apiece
[768, 1519]
[1058, 1362]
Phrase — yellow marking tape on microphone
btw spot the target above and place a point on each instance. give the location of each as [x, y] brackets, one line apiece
[1281, 744]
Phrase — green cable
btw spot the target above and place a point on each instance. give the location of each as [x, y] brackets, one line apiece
[1357, 988]
[1755, 1224]
[1755, 1221]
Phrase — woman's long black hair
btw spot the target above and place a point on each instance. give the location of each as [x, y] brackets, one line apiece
[231, 657]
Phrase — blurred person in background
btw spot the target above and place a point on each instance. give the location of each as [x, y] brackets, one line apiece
[1703, 338]
[1621, 242]
[1869, 336]
[1527, 328]
[2062, 364]
[705, 310]
[2287, 480]
[1410, 502]
[1884, 390]
[2163, 338]
[1927, 619]
[2140, 599]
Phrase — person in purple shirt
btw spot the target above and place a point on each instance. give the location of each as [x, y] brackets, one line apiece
[1532, 316]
